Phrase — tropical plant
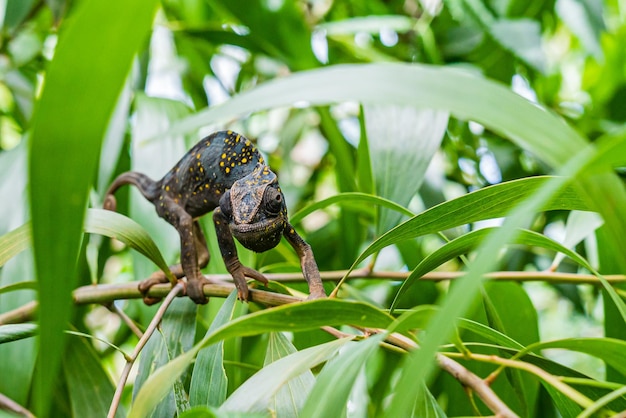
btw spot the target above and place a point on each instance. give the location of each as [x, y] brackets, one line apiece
[455, 165]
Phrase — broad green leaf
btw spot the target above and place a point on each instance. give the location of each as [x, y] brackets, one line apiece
[18, 286]
[602, 402]
[176, 337]
[89, 385]
[417, 85]
[79, 72]
[289, 399]
[349, 199]
[292, 317]
[114, 225]
[14, 332]
[507, 305]
[487, 203]
[393, 132]
[468, 242]
[610, 350]
[418, 365]
[254, 394]
[209, 382]
[98, 221]
[334, 384]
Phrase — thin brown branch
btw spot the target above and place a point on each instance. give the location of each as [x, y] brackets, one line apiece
[106, 293]
[8, 404]
[125, 319]
[464, 376]
[175, 291]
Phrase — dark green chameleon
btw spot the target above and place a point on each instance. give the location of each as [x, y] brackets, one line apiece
[223, 173]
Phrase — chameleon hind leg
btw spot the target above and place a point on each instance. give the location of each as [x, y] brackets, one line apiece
[203, 257]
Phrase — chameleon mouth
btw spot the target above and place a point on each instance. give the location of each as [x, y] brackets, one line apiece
[259, 236]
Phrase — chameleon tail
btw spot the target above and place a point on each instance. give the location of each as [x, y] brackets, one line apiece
[148, 187]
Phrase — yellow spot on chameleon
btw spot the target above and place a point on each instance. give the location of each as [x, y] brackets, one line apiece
[227, 170]
[244, 160]
[167, 188]
[198, 156]
[224, 155]
[221, 163]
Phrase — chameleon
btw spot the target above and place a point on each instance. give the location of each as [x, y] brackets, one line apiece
[226, 174]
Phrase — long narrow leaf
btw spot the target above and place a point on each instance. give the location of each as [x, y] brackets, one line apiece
[79, 94]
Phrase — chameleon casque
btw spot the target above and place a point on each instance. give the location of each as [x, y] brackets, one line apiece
[223, 173]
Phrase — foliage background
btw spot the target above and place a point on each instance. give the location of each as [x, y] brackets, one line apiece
[91, 89]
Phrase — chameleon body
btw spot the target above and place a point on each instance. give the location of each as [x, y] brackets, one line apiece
[223, 173]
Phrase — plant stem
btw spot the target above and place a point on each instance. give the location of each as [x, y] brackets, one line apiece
[142, 342]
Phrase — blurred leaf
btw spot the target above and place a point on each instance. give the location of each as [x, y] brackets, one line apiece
[579, 226]
[523, 38]
[487, 203]
[254, 394]
[209, 382]
[468, 242]
[289, 399]
[483, 101]
[584, 18]
[89, 386]
[349, 199]
[114, 225]
[79, 72]
[207, 412]
[329, 396]
[365, 177]
[368, 24]
[14, 243]
[392, 133]
[14, 332]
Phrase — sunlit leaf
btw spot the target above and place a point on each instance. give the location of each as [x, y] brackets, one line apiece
[80, 81]
[209, 382]
[290, 397]
[255, 394]
[332, 388]
[14, 332]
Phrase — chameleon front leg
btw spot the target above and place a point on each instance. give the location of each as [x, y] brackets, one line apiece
[307, 262]
[231, 260]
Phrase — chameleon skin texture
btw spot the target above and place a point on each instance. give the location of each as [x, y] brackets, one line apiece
[223, 173]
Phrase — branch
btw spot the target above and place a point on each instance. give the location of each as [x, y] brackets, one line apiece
[106, 293]
[8, 404]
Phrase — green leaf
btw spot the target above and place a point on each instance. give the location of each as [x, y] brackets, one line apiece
[14, 332]
[14, 242]
[114, 225]
[292, 317]
[610, 350]
[349, 199]
[254, 394]
[523, 38]
[585, 20]
[393, 132]
[487, 203]
[334, 384]
[579, 226]
[468, 242]
[426, 406]
[289, 399]
[89, 386]
[417, 85]
[368, 24]
[209, 383]
[178, 329]
[80, 81]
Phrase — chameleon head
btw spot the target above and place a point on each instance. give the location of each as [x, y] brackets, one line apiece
[256, 209]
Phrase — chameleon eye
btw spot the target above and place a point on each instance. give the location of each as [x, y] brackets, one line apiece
[273, 200]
